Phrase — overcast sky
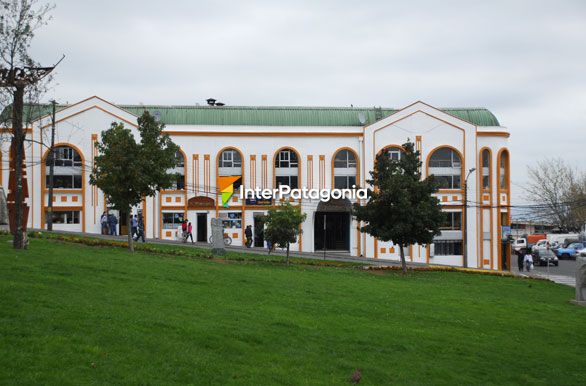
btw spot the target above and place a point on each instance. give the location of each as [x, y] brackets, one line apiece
[524, 60]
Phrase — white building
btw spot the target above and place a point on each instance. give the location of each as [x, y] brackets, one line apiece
[313, 147]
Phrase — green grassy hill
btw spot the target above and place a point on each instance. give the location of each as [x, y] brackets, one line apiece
[78, 315]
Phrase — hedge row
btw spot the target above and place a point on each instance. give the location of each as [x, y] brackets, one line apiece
[189, 252]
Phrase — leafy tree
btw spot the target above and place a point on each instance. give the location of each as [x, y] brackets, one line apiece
[283, 225]
[401, 207]
[127, 171]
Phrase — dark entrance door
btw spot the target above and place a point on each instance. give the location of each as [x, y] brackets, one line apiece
[506, 256]
[259, 230]
[123, 226]
[202, 227]
[337, 231]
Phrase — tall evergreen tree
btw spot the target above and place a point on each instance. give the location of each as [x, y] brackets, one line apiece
[400, 206]
[127, 171]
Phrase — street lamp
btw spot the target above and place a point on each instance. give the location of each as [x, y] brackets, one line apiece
[465, 251]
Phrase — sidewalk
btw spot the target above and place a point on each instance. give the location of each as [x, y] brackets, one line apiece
[332, 256]
[559, 279]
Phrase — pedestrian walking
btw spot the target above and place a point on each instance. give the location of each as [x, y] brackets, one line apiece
[133, 226]
[140, 228]
[248, 234]
[112, 222]
[184, 231]
[189, 232]
[520, 259]
[528, 260]
[104, 223]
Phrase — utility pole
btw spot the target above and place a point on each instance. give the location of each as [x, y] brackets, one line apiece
[51, 169]
[465, 251]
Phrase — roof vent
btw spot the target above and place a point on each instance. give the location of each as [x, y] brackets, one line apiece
[220, 104]
[211, 101]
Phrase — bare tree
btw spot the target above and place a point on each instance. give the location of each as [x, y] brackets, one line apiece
[20, 75]
[558, 192]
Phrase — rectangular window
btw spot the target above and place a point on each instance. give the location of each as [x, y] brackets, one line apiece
[64, 182]
[394, 155]
[64, 217]
[179, 183]
[172, 220]
[290, 181]
[486, 182]
[344, 182]
[448, 182]
[447, 247]
[453, 221]
[231, 220]
[65, 156]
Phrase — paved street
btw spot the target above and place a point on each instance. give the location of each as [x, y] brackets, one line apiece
[565, 273]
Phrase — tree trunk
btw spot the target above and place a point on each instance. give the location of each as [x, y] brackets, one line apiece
[287, 259]
[18, 241]
[129, 229]
[403, 262]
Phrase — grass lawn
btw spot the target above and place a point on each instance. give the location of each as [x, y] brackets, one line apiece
[75, 315]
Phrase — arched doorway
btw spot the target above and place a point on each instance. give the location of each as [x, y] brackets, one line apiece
[331, 226]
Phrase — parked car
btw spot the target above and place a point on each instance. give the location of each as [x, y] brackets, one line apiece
[539, 245]
[543, 244]
[570, 251]
[519, 244]
[545, 257]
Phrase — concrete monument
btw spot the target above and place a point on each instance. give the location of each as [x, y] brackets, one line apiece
[218, 247]
[580, 281]
[3, 209]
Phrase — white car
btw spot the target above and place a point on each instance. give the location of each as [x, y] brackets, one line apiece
[519, 244]
[582, 252]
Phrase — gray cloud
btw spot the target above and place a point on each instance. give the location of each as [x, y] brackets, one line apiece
[522, 59]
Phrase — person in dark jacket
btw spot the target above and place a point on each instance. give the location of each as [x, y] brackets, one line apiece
[248, 234]
[140, 228]
[133, 226]
[520, 257]
[112, 222]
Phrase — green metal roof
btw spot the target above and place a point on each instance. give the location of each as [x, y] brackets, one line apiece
[291, 116]
[273, 116]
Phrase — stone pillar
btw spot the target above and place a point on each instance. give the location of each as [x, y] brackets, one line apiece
[218, 247]
[3, 209]
[580, 281]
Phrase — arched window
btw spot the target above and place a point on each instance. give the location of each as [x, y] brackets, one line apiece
[446, 165]
[287, 168]
[344, 169]
[230, 164]
[179, 171]
[68, 168]
[485, 165]
[504, 170]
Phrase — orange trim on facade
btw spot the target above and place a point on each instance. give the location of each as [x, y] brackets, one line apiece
[493, 134]
[82, 190]
[264, 171]
[310, 171]
[322, 171]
